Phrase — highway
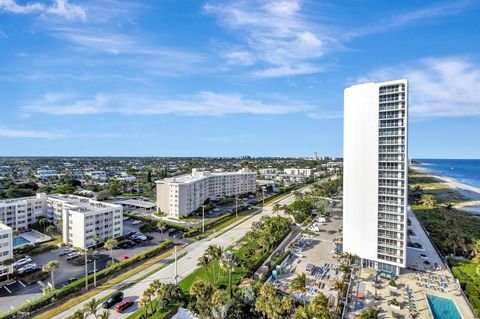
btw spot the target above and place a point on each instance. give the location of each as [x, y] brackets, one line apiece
[185, 266]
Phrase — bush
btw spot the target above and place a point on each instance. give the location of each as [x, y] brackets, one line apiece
[392, 283]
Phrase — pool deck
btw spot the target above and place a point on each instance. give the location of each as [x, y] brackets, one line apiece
[379, 297]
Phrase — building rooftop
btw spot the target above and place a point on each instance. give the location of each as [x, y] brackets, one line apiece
[197, 175]
[83, 204]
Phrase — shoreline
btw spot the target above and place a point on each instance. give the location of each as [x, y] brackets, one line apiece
[468, 191]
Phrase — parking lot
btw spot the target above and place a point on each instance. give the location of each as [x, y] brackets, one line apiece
[314, 255]
[15, 294]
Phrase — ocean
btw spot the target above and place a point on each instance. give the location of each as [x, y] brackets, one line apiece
[466, 171]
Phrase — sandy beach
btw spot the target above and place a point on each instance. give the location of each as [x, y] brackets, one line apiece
[470, 192]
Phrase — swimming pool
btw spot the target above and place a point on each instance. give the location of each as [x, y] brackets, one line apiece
[443, 308]
[19, 241]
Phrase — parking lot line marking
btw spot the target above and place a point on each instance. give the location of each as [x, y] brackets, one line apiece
[7, 289]
[21, 283]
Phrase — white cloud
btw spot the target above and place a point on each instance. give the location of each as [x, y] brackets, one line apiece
[440, 87]
[325, 115]
[390, 22]
[275, 33]
[5, 132]
[60, 8]
[204, 104]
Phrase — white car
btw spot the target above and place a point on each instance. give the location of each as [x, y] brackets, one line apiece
[22, 261]
[66, 251]
[27, 268]
[73, 255]
[136, 222]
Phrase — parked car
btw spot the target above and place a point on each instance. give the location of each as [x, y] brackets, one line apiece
[71, 280]
[136, 222]
[73, 255]
[66, 251]
[122, 305]
[22, 261]
[28, 268]
[131, 233]
[115, 298]
[123, 258]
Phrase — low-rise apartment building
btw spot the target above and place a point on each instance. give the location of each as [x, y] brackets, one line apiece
[180, 196]
[6, 249]
[84, 218]
[20, 213]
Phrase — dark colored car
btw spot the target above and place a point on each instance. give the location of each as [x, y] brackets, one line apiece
[115, 298]
[121, 306]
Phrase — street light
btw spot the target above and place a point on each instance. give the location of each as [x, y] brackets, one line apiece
[203, 219]
[236, 206]
[86, 269]
[263, 196]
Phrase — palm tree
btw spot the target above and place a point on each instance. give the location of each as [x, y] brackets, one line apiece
[143, 304]
[214, 252]
[303, 313]
[204, 261]
[228, 262]
[51, 230]
[43, 222]
[370, 313]
[91, 307]
[319, 306]
[341, 286]
[110, 244]
[276, 208]
[51, 267]
[147, 294]
[105, 314]
[78, 314]
[96, 238]
[299, 283]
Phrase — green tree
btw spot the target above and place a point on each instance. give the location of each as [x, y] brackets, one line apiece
[103, 195]
[428, 200]
[299, 283]
[369, 313]
[214, 253]
[78, 314]
[91, 307]
[105, 314]
[204, 262]
[276, 207]
[160, 227]
[51, 230]
[228, 262]
[200, 294]
[110, 244]
[50, 267]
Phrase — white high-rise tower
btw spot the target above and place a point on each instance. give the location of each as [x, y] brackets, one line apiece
[376, 173]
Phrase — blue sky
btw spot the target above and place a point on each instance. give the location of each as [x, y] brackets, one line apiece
[229, 78]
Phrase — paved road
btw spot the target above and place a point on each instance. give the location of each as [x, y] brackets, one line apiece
[186, 265]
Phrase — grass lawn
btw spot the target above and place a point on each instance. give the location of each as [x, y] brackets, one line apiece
[466, 273]
[109, 283]
[227, 222]
[159, 314]
[433, 186]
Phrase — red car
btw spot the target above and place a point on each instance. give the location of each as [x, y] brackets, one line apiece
[123, 258]
[121, 306]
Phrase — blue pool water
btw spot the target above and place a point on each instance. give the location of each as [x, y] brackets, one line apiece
[20, 241]
[443, 308]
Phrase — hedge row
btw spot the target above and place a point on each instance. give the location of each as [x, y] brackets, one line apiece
[80, 283]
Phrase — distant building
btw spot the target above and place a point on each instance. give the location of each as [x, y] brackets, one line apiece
[180, 196]
[306, 172]
[5, 171]
[6, 249]
[83, 218]
[375, 174]
[20, 213]
[45, 173]
[99, 175]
